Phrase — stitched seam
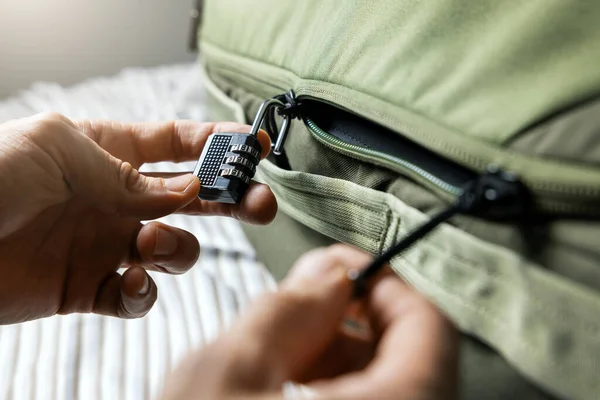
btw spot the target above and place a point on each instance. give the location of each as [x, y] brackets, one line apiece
[282, 181]
[332, 196]
[387, 223]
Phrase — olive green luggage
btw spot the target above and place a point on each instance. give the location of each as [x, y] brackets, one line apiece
[398, 105]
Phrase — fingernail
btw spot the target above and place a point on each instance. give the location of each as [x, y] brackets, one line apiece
[179, 184]
[145, 287]
[166, 243]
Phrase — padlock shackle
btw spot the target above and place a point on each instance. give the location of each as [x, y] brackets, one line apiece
[260, 117]
[262, 112]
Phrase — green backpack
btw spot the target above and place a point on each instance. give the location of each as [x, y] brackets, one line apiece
[397, 105]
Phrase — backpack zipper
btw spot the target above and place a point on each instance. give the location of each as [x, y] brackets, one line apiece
[560, 188]
[495, 194]
[549, 199]
[294, 108]
[386, 160]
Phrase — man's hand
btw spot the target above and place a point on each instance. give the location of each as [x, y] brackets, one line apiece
[410, 351]
[70, 209]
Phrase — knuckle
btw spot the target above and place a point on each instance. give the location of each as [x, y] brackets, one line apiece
[177, 147]
[50, 123]
[88, 129]
[318, 254]
[307, 256]
[335, 256]
[53, 120]
[139, 307]
[53, 117]
[321, 258]
[128, 176]
[349, 255]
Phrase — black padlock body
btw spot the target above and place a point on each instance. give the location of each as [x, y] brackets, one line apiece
[226, 166]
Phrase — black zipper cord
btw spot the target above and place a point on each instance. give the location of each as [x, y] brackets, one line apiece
[361, 280]
[495, 194]
[292, 105]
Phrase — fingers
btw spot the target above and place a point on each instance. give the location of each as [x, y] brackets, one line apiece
[166, 249]
[258, 206]
[115, 187]
[158, 247]
[418, 341]
[285, 332]
[128, 296]
[118, 187]
[163, 141]
[417, 354]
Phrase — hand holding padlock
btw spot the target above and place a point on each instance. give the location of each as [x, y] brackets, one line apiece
[229, 160]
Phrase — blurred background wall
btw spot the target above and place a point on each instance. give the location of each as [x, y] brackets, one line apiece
[67, 41]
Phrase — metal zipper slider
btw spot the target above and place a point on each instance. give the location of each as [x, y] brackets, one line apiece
[195, 21]
[495, 195]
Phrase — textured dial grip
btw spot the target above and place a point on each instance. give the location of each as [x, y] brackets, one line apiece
[226, 166]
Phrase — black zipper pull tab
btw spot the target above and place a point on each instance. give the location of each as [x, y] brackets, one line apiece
[195, 21]
[496, 195]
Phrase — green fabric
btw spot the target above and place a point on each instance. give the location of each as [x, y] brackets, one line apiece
[482, 70]
[480, 67]
[558, 186]
[569, 136]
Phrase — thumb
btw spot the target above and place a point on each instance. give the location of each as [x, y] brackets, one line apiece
[289, 330]
[114, 186]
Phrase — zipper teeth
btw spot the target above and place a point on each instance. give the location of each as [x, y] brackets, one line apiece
[477, 163]
[539, 187]
[353, 150]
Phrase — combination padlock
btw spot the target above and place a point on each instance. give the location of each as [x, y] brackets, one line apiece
[229, 160]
